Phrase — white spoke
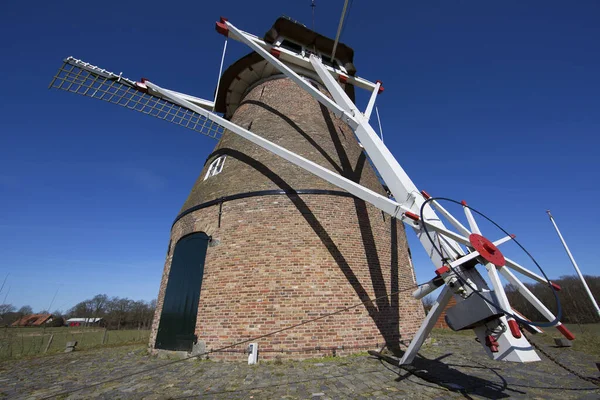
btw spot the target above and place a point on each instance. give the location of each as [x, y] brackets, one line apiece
[471, 219]
[464, 259]
[497, 285]
[438, 307]
[460, 227]
[452, 245]
[527, 294]
[503, 240]
[449, 234]
[522, 270]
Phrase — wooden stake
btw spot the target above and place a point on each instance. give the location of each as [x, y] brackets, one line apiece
[49, 343]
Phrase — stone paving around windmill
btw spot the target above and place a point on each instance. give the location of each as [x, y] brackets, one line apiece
[450, 367]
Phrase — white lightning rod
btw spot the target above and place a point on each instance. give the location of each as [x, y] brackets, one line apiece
[587, 289]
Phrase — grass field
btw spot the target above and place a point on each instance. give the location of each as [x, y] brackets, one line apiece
[24, 342]
[587, 336]
[28, 342]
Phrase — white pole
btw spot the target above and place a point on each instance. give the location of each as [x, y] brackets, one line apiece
[339, 31]
[587, 289]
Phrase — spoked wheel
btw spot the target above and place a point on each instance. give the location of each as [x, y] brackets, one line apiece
[481, 250]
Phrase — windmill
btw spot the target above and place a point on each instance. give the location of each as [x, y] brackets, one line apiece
[299, 59]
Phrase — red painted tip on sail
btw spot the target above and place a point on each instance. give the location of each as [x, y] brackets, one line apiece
[412, 216]
[566, 333]
[442, 270]
[514, 328]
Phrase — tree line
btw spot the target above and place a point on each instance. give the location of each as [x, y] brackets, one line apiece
[116, 312]
[577, 308]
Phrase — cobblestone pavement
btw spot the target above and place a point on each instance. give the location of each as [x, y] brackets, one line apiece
[450, 367]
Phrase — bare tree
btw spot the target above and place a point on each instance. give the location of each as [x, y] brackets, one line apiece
[117, 312]
[427, 303]
[6, 308]
[576, 306]
[25, 310]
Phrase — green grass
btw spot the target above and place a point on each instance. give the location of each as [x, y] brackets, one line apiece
[587, 337]
[27, 342]
[450, 332]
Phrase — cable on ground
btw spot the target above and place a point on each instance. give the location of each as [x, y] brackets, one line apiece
[595, 381]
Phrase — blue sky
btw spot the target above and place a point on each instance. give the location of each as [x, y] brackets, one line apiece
[496, 103]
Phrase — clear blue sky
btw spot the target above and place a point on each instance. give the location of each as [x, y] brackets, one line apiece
[494, 102]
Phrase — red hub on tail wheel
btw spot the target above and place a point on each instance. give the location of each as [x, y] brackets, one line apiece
[487, 250]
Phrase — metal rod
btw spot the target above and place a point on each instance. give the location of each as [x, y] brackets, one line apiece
[313, 5]
[587, 289]
[379, 122]
[339, 31]
[220, 212]
[220, 71]
[371, 103]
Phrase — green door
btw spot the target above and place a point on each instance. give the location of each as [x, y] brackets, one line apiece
[180, 307]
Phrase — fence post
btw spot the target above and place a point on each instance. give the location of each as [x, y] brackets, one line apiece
[104, 336]
[49, 343]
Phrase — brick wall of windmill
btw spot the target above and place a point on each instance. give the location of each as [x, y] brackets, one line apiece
[441, 322]
[278, 260]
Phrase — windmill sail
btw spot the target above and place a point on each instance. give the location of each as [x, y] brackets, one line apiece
[85, 79]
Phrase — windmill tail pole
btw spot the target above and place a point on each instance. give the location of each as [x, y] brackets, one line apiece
[585, 285]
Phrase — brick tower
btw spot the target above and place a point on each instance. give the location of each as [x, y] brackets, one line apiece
[260, 244]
